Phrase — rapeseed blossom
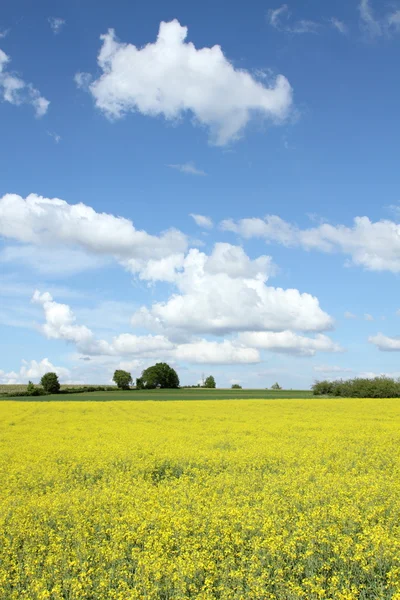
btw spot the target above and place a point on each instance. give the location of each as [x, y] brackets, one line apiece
[283, 499]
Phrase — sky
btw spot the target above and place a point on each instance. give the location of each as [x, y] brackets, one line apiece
[210, 186]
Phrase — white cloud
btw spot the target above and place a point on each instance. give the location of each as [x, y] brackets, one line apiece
[170, 77]
[3, 33]
[55, 136]
[368, 317]
[234, 262]
[16, 91]
[339, 26]
[275, 14]
[33, 371]
[56, 24]
[226, 292]
[188, 168]
[58, 262]
[349, 315]
[395, 209]
[289, 343]
[221, 353]
[127, 343]
[331, 369]
[393, 19]
[371, 25]
[48, 223]
[83, 80]
[372, 245]
[60, 323]
[202, 221]
[280, 17]
[385, 343]
[374, 26]
[162, 269]
[373, 374]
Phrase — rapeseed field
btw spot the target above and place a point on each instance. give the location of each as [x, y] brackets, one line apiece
[277, 499]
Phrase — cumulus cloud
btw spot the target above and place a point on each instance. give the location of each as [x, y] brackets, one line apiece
[368, 317]
[227, 292]
[33, 371]
[188, 168]
[171, 77]
[48, 222]
[280, 18]
[202, 221]
[288, 342]
[16, 91]
[385, 343]
[60, 323]
[218, 353]
[56, 24]
[372, 245]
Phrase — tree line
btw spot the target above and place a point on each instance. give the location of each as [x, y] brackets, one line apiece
[160, 375]
[359, 387]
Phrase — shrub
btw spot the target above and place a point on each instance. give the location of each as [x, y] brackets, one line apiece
[359, 387]
[50, 383]
[236, 386]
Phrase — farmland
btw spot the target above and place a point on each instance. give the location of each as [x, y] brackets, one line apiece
[278, 499]
[180, 394]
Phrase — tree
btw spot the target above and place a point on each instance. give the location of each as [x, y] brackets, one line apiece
[210, 382]
[160, 375]
[276, 386]
[139, 383]
[123, 379]
[30, 387]
[50, 383]
[236, 386]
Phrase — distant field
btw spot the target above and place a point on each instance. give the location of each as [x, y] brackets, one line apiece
[239, 500]
[181, 394]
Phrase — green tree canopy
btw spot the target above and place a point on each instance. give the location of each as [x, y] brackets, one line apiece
[276, 386]
[236, 386]
[209, 382]
[50, 383]
[160, 375]
[123, 379]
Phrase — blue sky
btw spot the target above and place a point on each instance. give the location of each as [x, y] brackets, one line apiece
[277, 122]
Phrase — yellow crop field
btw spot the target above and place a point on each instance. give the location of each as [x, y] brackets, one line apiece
[276, 499]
